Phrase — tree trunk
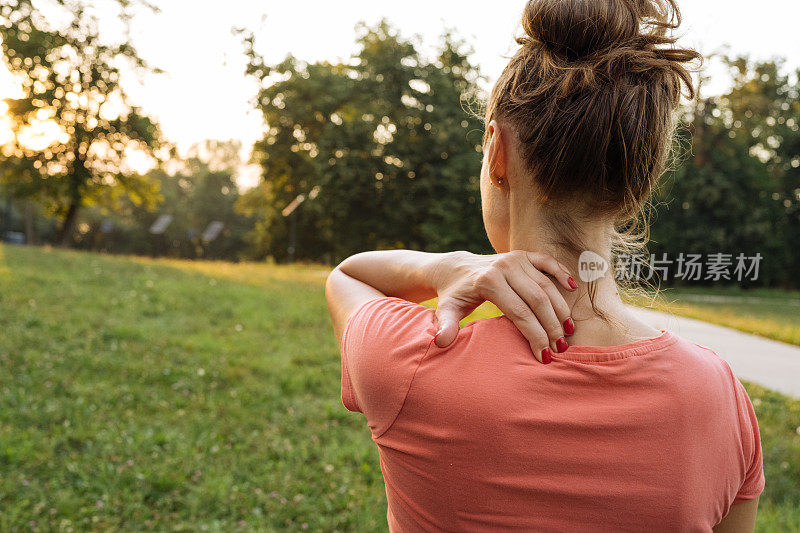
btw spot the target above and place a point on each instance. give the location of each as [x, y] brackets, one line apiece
[30, 228]
[64, 236]
[65, 233]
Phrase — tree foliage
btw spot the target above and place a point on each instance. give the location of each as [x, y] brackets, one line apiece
[737, 190]
[383, 148]
[197, 191]
[71, 94]
[385, 137]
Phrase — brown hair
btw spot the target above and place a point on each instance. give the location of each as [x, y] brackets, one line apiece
[590, 96]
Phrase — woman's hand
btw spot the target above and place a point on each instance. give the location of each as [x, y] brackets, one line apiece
[516, 282]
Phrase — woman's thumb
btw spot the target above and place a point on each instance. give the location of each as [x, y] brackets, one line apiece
[448, 325]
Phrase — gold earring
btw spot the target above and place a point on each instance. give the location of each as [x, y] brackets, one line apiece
[500, 181]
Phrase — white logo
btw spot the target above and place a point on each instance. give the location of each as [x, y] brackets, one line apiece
[591, 266]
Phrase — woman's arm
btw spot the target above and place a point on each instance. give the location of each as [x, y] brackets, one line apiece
[406, 274]
[741, 518]
[515, 282]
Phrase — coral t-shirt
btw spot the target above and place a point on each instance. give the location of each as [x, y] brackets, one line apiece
[655, 435]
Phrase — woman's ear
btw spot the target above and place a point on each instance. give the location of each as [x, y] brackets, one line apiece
[495, 152]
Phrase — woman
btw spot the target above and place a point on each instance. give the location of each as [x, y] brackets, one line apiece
[567, 413]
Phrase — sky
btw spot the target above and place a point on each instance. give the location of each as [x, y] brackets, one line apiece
[204, 94]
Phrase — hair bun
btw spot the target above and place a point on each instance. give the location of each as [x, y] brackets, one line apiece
[578, 28]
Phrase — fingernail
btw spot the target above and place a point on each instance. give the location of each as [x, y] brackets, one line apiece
[572, 283]
[561, 344]
[547, 356]
[569, 326]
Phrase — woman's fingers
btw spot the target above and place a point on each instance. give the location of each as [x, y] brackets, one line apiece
[547, 263]
[516, 282]
[541, 305]
[557, 300]
[515, 308]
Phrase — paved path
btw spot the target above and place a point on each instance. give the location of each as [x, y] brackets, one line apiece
[773, 364]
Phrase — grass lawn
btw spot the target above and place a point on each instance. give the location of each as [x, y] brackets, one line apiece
[168, 395]
[767, 312]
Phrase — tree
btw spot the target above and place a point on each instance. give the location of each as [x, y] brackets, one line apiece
[384, 138]
[70, 82]
[764, 106]
[738, 190]
[199, 190]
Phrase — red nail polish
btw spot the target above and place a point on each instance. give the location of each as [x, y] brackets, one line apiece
[569, 326]
[561, 344]
[547, 356]
[572, 283]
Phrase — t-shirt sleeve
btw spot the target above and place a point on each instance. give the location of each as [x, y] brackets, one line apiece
[383, 344]
[753, 483]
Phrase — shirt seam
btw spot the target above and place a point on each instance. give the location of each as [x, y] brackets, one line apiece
[639, 351]
[641, 348]
[748, 495]
[408, 390]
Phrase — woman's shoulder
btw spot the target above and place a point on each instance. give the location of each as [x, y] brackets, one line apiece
[701, 358]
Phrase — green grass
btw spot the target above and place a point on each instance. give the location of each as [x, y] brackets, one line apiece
[162, 395]
[767, 312]
[137, 395]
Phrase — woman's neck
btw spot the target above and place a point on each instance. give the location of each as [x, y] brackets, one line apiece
[614, 324]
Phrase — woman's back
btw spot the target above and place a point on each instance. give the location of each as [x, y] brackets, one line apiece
[651, 435]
